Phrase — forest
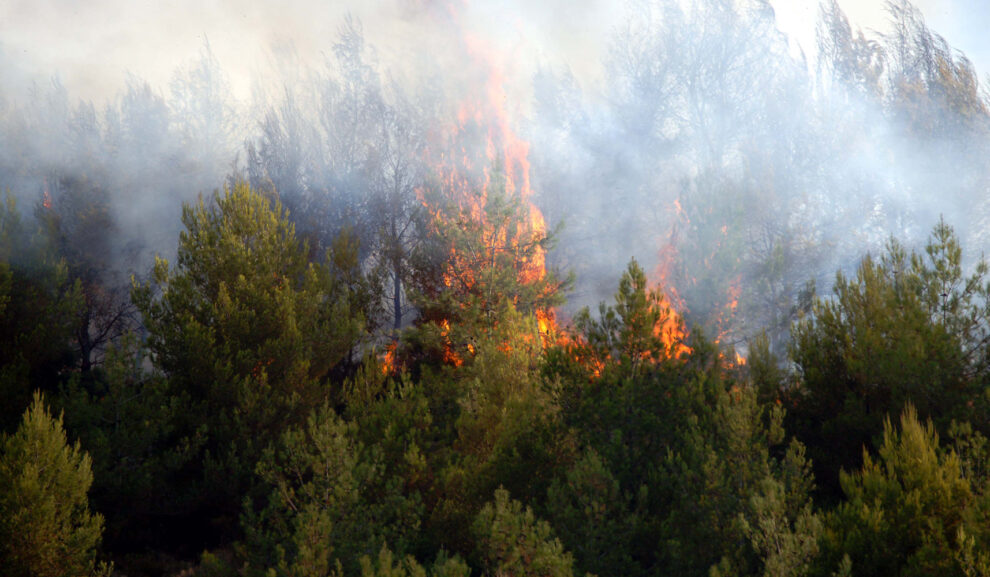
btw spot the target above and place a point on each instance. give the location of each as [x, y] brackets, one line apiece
[728, 317]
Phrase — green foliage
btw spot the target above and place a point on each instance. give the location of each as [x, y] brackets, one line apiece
[38, 311]
[507, 426]
[126, 419]
[399, 420]
[958, 303]
[902, 330]
[497, 424]
[718, 459]
[385, 565]
[512, 541]
[784, 530]
[973, 450]
[765, 371]
[595, 517]
[46, 528]
[244, 291]
[248, 331]
[325, 486]
[904, 513]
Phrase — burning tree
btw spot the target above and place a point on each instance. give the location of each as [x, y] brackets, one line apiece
[481, 244]
[482, 258]
[641, 329]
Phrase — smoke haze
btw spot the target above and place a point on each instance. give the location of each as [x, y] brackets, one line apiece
[709, 140]
[91, 46]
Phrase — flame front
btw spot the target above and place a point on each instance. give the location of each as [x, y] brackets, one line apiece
[479, 153]
[449, 355]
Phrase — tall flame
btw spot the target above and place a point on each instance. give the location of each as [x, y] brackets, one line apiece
[671, 329]
[480, 139]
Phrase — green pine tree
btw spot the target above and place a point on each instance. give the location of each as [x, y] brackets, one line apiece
[331, 501]
[905, 510]
[39, 307]
[512, 541]
[904, 329]
[386, 565]
[248, 331]
[46, 528]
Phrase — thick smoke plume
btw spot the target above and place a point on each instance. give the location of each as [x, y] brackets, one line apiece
[692, 137]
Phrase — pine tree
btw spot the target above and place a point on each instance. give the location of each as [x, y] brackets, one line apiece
[386, 565]
[512, 541]
[905, 510]
[248, 331]
[481, 257]
[38, 309]
[46, 528]
[331, 501]
[904, 329]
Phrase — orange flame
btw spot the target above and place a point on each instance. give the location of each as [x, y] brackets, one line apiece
[670, 329]
[723, 314]
[46, 197]
[449, 355]
[388, 364]
[480, 138]
[544, 322]
[727, 314]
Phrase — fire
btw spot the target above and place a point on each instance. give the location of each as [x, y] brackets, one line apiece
[388, 365]
[727, 315]
[544, 321]
[670, 330]
[449, 355]
[46, 197]
[480, 154]
[723, 315]
[668, 257]
[580, 352]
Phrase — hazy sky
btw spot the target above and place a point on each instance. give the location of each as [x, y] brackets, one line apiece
[964, 23]
[92, 44]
